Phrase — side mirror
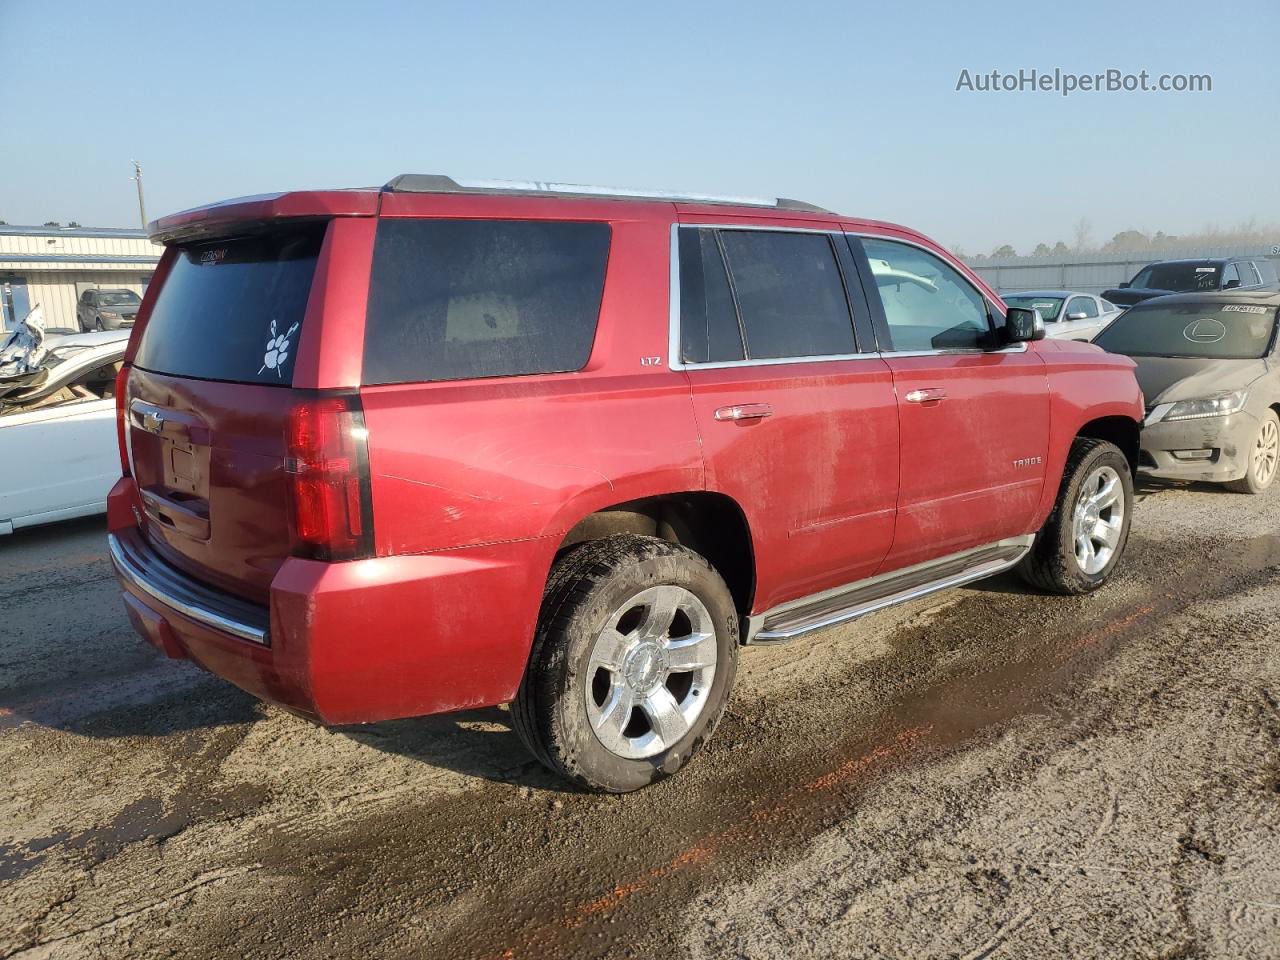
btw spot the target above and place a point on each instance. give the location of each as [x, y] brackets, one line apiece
[1078, 316]
[1125, 285]
[1231, 285]
[1022, 325]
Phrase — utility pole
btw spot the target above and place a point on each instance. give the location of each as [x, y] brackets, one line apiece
[137, 178]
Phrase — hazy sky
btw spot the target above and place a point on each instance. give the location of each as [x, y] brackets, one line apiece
[851, 106]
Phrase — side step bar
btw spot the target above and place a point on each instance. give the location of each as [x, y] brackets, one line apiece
[844, 603]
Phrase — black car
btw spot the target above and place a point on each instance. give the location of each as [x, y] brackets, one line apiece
[1193, 276]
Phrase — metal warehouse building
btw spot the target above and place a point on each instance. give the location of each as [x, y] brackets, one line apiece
[52, 266]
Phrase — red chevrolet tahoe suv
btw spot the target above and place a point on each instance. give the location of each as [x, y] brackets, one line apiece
[439, 445]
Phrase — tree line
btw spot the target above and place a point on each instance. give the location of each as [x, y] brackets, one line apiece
[1129, 241]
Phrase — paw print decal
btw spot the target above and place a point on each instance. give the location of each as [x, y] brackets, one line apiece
[277, 350]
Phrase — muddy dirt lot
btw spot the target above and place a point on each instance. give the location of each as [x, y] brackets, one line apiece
[986, 773]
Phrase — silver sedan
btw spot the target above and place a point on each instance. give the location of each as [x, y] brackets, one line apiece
[1068, 314]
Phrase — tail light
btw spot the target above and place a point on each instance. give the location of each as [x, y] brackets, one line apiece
[122, 419]
[327, 464]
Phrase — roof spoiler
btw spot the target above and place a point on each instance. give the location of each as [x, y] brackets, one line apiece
[439, 183]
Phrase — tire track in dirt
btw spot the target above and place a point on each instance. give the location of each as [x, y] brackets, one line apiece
[491, 874]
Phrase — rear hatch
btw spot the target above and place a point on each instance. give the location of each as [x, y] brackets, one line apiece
[208, 403]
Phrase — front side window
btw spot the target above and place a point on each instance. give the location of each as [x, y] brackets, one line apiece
[1083, 305]
[1248, 275]
[927, 304]
[457, 299]
[1230, 275]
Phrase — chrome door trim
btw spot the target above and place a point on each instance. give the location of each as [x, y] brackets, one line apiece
[1012, 348]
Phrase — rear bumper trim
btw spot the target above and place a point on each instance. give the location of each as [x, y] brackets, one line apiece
[142, 570]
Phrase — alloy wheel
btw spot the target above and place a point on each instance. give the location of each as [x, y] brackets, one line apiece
[1098, 519]
[1266, 452]
[650, 670]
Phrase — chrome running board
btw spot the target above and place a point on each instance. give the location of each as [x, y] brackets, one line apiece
[841, 604]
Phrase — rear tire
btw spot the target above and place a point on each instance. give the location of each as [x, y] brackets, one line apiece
[1261, 471]
[634, 655]
[1080, 544]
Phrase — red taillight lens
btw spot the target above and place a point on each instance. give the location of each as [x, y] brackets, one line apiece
[122, 418]
[328, 466]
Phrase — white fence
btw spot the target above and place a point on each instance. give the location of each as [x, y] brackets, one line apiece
[1096, 272]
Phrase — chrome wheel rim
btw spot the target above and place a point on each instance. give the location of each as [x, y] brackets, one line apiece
[650, 671]
[1266, 452]
[1098, 519]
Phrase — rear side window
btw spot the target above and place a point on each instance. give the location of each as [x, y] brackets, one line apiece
[708, 321]
[457, 299]
[232, 309]
[790, 294]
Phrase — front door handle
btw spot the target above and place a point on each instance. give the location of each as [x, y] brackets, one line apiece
[927, 395]
[745, 411]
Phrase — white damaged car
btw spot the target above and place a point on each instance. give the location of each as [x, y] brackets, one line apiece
[58, 453]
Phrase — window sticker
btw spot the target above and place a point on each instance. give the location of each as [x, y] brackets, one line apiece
[277, 349]
[1205, 269]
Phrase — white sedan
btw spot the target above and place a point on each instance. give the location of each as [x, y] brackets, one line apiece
[1068, 314]
[58, 454]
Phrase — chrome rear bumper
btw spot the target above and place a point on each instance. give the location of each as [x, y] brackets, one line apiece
[137, 565]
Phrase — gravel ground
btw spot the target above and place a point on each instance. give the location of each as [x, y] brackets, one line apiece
[986, 773]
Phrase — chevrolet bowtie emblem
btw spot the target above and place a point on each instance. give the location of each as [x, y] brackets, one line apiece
[152, 421]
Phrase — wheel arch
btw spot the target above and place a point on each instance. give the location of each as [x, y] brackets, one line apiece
[1124, 432]
[711, 524]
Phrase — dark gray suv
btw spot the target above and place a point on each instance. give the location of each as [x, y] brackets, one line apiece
[1195, 276]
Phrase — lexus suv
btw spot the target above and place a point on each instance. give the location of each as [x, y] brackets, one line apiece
[447, 444]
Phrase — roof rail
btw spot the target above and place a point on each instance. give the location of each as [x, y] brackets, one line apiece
[439, 183]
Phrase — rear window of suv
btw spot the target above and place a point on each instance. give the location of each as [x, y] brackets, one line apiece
[232, 309]
[457, 299]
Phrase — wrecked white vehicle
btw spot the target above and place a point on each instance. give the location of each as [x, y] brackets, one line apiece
[58, 455]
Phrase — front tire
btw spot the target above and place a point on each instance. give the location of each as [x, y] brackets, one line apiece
[1080, 544]
[1263, 456]
[634, 655]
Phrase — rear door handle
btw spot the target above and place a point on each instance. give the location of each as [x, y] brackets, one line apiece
[926, 395]
[745, 411]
